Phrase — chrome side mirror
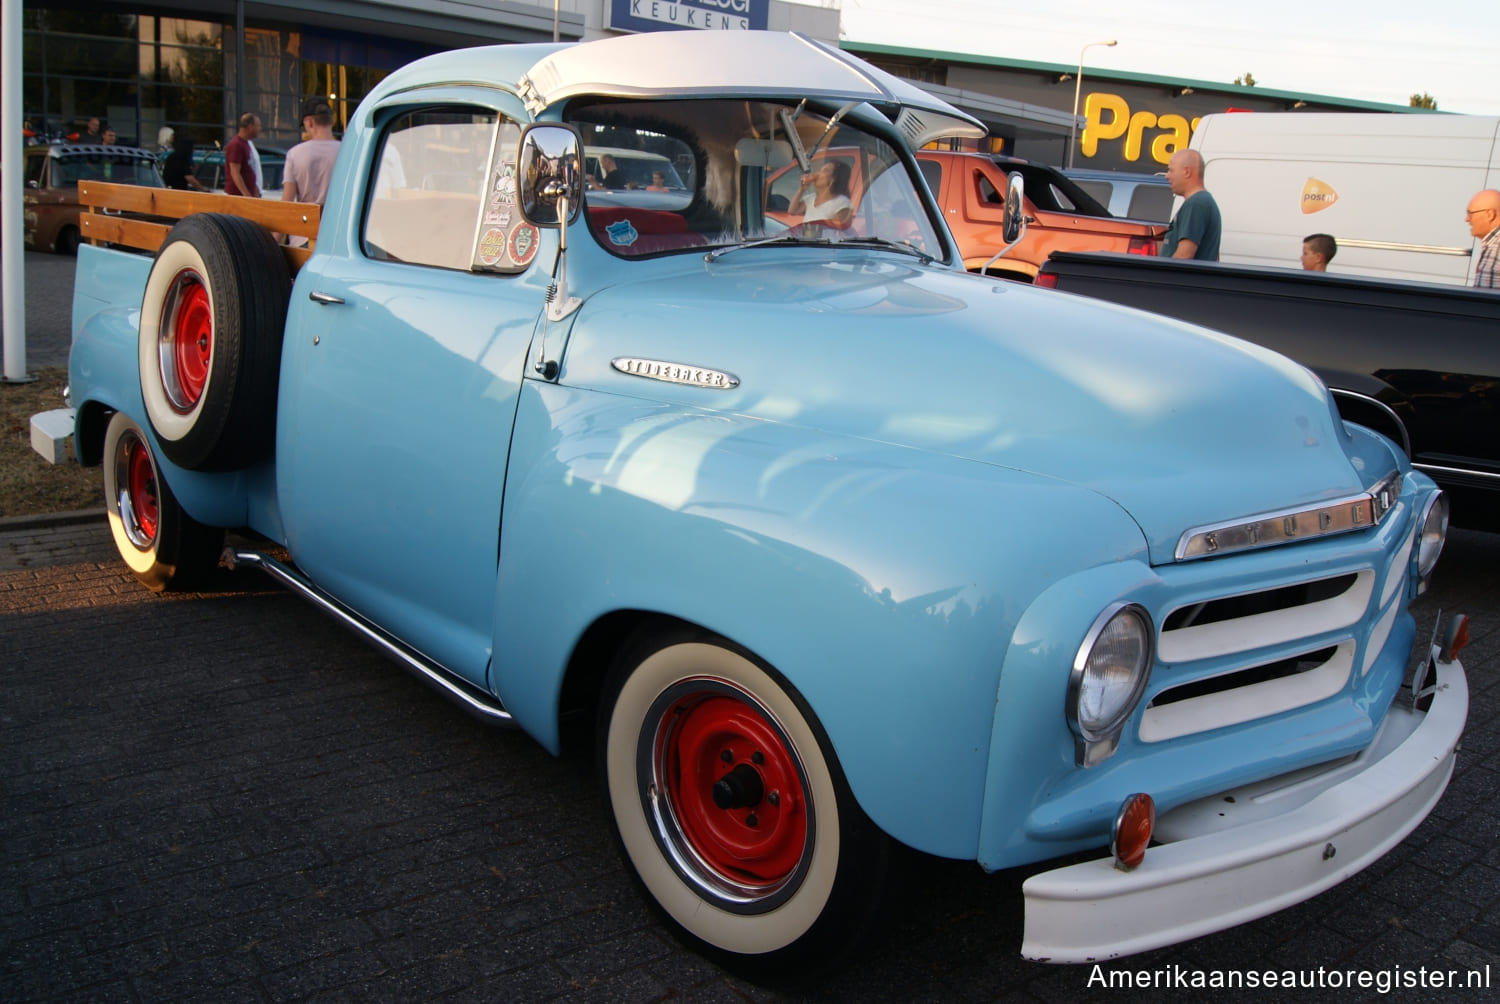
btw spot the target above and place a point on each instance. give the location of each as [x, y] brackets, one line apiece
[1013, 222]
[549, 174]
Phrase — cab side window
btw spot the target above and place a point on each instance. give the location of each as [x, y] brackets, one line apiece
[932, 170]
[34, 165]
[428, 186]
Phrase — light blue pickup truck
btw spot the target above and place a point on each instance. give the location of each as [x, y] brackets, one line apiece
[834, 544]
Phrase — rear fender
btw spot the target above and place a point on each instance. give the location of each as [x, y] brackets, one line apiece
[104, 377]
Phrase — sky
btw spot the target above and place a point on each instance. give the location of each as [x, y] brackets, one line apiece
[1367, 50]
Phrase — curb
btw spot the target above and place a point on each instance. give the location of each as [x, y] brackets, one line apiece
[44, 520]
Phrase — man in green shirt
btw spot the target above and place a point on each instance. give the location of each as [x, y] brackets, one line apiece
[1194, 231]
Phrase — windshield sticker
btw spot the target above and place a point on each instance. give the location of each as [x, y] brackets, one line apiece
[492, 246]
[622, 234]
[524, 240]
[498, 217]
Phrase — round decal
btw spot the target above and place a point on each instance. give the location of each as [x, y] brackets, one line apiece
[492, 246]
[524, 240]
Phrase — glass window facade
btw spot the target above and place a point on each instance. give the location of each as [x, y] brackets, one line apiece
[140, 72]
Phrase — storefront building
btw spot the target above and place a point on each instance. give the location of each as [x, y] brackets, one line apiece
[197, 66]
[1127, 121]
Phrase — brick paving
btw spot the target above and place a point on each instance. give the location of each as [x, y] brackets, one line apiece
[226, 797]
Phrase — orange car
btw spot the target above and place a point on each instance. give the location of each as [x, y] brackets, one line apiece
[970, 188]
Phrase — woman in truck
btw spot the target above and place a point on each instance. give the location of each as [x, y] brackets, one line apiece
[823, 195]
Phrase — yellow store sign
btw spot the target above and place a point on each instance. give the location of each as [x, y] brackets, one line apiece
[1107, 117]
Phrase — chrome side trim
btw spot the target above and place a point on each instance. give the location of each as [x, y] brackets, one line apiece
[474, 700]
[1354, 512]
[1349, 242]
[1467, 472]
[1382, 406]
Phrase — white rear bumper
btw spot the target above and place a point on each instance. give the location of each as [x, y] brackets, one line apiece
[1245, 853]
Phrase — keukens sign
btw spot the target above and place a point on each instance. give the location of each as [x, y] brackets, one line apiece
[688, 15]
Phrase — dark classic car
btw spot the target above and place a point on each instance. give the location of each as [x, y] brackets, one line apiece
[52, 176]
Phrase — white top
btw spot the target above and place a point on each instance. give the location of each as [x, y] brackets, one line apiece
[735, 63]
[826, 210]
[260, 178]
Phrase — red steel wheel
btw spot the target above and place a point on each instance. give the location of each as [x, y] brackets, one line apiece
[734, 789]
[732, 811]
[186, 346]
[164, 546]
[140, 504]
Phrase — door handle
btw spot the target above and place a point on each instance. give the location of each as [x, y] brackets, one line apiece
[324, 298]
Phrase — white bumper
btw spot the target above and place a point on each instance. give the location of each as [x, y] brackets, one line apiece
[1246, 853]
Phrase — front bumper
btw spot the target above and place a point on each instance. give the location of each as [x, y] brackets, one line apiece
[1246, 853]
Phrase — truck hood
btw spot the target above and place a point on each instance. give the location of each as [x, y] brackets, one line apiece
[1180, 426]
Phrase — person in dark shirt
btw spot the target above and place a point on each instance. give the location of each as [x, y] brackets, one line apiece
[177, 172]
[1194, 231]
[240, 177]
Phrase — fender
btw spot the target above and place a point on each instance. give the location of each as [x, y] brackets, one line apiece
[103, 376]
[593, 524]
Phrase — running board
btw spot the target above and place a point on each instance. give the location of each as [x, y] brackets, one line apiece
[470, 697]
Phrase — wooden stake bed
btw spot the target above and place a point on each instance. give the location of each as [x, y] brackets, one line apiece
[162, 206]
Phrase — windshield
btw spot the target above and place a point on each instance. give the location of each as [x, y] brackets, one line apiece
[72, 168]
[665, 176]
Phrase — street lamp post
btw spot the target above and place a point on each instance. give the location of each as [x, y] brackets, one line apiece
[1078, 90]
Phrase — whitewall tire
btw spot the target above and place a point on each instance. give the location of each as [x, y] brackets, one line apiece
[732, 813]
[164, 547]
[209, 344]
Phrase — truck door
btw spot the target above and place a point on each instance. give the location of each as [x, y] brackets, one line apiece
[400, 376]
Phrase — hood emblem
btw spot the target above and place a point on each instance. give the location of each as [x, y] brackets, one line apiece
[693, 376]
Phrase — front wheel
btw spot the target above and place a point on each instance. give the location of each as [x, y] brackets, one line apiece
[733, 813]
[165, 547]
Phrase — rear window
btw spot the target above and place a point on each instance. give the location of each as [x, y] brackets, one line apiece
[1100, 190]
[1151, 202]
[73, 168]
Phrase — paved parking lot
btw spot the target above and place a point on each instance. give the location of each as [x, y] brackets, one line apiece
[226, 797]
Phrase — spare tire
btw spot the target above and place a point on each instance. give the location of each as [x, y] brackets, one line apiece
[210, 341]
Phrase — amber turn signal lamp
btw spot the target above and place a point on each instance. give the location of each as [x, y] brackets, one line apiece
[1455, 637]
[1132, 831]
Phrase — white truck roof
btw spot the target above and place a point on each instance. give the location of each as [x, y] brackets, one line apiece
[692, 64]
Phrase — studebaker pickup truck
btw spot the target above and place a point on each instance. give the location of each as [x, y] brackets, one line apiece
[836, 545]
[1416, 361]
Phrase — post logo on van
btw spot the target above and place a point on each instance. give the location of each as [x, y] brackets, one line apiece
[1317, 196]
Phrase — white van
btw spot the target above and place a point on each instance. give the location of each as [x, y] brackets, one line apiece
[1390, 187]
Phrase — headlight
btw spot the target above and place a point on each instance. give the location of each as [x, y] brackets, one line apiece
[1430, 537]
[1109, 675]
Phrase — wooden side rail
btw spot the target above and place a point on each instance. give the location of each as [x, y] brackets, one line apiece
[105, 200]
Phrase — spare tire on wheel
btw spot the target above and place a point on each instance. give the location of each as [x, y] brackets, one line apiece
[210, 341]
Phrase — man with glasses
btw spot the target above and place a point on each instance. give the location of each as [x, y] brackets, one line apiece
[1483, 216]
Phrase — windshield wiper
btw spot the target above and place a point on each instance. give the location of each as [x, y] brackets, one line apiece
[886, 244]
[791, 235]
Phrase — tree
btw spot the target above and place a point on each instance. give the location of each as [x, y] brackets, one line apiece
[1423, 100]
[1245, 81]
